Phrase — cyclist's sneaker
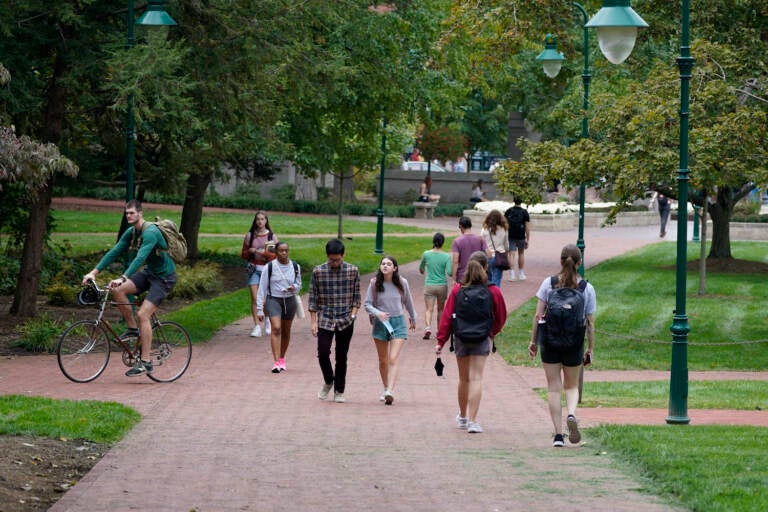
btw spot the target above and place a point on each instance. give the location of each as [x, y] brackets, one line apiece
[129, 333]
[474, 427]
[276, 367]
[339, 397]
[139, 368]
[559, 442]
[256, 332]
[323, 393]
[281, 364]
[267, 327]
[574, 436]
[461, 422]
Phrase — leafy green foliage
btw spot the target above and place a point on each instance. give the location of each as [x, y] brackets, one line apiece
[39, 334]
[100, 422]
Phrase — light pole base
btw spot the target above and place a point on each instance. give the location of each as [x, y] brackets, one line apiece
[678, 420]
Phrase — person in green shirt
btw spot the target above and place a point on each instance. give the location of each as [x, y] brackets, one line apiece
[142, 243]
[437, 265]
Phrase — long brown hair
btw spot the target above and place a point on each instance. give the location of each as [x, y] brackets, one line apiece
[476, 272]
[570, 259]
[395, 276]
[493, 221]
[252, 231]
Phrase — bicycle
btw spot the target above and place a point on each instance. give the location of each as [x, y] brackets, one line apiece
[84, 347]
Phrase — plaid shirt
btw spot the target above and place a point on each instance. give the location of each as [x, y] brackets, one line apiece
[333, 292]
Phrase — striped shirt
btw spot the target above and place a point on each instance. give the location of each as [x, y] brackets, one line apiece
[333, 292]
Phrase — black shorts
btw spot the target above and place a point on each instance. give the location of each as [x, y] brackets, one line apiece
[284, 307]
[567, 356]
[159, 287]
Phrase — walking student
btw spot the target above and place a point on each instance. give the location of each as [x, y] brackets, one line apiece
[474, 314]
[387, 298]
[437, 265]
[258, 250]
[519, 224]
[142, 243]
[334, 299]
[279, 286]
[494, 234]
[463, 246]
[561, 342]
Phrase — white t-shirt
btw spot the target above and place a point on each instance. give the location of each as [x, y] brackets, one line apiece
[590, 297]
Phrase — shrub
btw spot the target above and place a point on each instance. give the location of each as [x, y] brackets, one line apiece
[39, 334]
[61, 294]
[203, 278]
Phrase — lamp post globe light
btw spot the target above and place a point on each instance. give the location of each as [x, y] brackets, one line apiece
[154, 15]
[678, 380]
[617, 26]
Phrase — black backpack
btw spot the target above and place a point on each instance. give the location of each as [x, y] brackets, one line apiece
[516, 220]
[473, 315]
[565, 321]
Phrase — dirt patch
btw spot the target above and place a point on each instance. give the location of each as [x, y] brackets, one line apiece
[730, 266]
[35, 472]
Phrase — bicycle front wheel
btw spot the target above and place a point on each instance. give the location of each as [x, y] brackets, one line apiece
[171, 351]
[83, 351]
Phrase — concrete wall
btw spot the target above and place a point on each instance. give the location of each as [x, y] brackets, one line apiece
[452, 187]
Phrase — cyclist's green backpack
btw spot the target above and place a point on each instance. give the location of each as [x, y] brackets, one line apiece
[177, 244]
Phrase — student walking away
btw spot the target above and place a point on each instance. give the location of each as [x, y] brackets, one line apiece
[280, 284]
[474, 314]
[388, 297]
[519, 224]
[258, 250]
[436, 263]
[564, 315]
[495, 235]
[334, 299]
[463, 246]
[142, 243]
[662, 202]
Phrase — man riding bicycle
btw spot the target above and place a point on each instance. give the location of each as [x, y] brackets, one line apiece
[142, 243]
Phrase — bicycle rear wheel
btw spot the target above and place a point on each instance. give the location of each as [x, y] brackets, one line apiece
[83, 351]
[171, 351]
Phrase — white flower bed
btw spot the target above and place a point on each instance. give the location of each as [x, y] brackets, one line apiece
[502, 206]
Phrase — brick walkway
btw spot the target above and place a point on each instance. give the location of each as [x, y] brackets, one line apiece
[230, 435]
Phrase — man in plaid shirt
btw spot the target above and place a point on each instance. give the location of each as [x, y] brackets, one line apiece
[334, 298]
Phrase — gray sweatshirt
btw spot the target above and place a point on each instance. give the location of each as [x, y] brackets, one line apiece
[390, 301]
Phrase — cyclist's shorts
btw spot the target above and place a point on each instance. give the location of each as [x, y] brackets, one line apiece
[159, 287]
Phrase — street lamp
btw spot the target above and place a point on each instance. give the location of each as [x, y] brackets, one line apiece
[380, 210]
[678, 381]
[616, 25]
[154, 15]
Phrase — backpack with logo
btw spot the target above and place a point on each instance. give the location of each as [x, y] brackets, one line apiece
[564, 319]
[177, 244]
[516, 220]
[472, 317]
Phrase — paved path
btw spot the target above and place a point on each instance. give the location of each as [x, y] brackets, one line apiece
[230, 435]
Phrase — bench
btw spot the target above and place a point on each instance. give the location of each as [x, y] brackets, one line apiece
[424, 210]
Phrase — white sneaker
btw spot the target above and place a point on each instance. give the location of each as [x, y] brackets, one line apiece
[522, 275]
[339, 397]
[512, 275]
[323, 393]
[267, 327]
[256, 332]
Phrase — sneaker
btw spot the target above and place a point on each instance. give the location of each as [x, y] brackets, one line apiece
[383, 395]
[574, 436]
[427, 333]
[256, 332]
[281, 364]
[267, 327]
[461, 422]
[474, 427]
[339, 397]
[521, 276]
[139, 368]
[512, 275]
[129, 334]
[323, 393]
[558, 442]
[276, 367]
[388, 398]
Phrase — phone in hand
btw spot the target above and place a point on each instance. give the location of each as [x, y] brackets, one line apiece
[587, 359]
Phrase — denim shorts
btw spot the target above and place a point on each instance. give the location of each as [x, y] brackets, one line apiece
[398, 326]
[253, 279]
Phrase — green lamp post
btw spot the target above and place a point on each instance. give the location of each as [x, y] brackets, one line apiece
[678, 381]
[617, 26]
[379, 249]
[154, 15]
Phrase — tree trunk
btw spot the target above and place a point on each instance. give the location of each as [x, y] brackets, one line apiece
[192, 213]
[721, 211]
[31, 268]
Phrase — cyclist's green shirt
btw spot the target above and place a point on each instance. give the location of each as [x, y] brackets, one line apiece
[150, 248]
[437, 265]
